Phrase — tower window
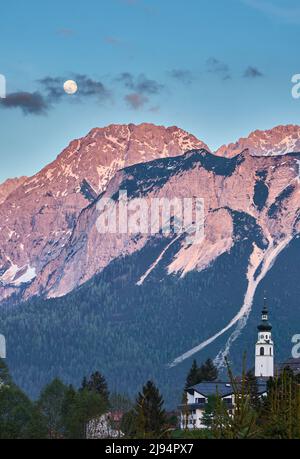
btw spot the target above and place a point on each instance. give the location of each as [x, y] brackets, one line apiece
[270, 351]
[262, 351]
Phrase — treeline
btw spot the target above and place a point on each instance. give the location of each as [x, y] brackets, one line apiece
[63, 412]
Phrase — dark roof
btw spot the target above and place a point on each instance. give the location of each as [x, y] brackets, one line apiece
[264, 326]
[293, 364]
[223, 388]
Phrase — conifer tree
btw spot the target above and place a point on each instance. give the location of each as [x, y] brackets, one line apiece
[149, 413]
[98, 384]
[208, 371]
[193, 375]
[196, 375]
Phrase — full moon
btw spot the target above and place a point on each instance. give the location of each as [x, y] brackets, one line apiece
[70, 87]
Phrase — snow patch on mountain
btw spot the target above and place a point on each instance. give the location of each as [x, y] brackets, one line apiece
[273, 142]
[17, 276]
[27, 277]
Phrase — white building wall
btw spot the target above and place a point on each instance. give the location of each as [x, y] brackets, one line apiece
[194, 420]
[190, 398]
[264, 364]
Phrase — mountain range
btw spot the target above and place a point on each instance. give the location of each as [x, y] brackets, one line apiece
[145, 304]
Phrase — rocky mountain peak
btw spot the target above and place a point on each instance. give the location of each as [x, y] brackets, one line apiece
[273, 142]
[38, 216]
[7, 187]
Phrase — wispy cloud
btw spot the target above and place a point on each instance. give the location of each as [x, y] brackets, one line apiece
[141, 88]
[87, 87]
[285, 12]
[90, 87]
[218, 67]
[140, 84]
[136, 100]
[252, 72]
[30, 103]
[53, 86]
[184, 76]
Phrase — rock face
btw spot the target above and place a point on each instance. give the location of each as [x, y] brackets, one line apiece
[277, 141]
[227, 186]
[39, 215]
[50, 242]
[9, 186]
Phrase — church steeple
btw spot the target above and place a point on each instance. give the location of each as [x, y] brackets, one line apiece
[264, 349]
[265, 324]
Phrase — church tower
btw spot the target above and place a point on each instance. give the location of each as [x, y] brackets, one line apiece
[264, 349]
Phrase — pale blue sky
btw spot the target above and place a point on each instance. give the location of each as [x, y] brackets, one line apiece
[217, 68]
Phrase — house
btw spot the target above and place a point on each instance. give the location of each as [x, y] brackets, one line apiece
[197, 396]
[197, 400]
[107, 426]
[292, 364]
